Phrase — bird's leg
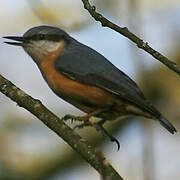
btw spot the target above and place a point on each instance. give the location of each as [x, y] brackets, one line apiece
[99, 127]
[85, 118]
[82, 125]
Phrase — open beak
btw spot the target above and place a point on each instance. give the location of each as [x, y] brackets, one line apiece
[21, 40]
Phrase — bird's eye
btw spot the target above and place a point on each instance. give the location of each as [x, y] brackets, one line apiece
[41, 36]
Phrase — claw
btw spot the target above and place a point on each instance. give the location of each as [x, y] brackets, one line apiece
[71, 117]
[116, 141]
[67, 117]
[113, 139]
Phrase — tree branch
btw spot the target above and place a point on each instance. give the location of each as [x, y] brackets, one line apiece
[93, 156]
[125, 32]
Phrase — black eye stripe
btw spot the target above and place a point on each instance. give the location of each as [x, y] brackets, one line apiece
[36, 37]
[48, 37]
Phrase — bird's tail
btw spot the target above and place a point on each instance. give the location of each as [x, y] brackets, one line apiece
[164, 122]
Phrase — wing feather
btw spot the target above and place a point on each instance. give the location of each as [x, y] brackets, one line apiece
[83, 64]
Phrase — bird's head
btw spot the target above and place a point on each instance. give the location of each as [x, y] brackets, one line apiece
[41, 41]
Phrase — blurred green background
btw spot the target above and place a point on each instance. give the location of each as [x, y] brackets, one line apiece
[29, 150]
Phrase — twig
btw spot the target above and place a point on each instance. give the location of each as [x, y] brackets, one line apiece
[125, 32]
[81, 146]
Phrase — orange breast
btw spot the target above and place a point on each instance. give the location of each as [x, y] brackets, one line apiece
[73, 90]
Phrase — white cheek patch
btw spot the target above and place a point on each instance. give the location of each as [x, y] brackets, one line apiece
[52, 46]
[46, 46]
[40, 49]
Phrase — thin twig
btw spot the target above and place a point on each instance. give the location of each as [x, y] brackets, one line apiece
[81, 146]
[125, 32]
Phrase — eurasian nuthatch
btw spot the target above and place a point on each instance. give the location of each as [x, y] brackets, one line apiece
[85, 78]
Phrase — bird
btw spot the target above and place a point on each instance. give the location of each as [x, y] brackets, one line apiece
[84, 78]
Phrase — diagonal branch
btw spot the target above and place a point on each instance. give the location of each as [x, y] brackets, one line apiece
[93, 156]
[125, 32]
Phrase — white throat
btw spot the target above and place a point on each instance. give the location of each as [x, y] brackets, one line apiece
[39, 50]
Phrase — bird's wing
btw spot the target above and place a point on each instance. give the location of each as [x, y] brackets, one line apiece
[83, 64]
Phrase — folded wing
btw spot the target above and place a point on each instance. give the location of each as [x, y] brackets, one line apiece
[83, 64]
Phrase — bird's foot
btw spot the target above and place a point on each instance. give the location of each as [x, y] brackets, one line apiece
[99, 127]
[88, 123]
[75, 118]
[83, 118]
